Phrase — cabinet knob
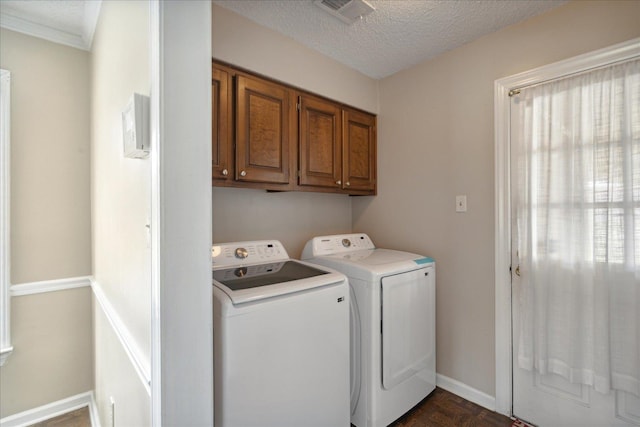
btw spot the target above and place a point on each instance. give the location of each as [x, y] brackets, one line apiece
[338, 182]
[225, 172]
[348, 183]
[243, 173]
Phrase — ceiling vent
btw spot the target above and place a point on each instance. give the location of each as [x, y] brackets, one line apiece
[348, 11]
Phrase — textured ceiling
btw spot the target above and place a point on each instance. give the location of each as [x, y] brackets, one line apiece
[54, 14]
[397, 35]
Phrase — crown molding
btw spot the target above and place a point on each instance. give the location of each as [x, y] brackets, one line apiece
[82, 41]
[91, 14]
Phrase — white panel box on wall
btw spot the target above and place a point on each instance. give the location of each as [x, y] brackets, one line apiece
[135, 127]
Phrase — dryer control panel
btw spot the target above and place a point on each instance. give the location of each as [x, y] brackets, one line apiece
[244, 253]
[336, 244]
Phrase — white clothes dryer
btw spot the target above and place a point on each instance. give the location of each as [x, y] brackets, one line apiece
[393, 351]
[281, 339]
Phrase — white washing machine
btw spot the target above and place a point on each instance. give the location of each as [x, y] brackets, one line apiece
[393, 349]
[281, 339]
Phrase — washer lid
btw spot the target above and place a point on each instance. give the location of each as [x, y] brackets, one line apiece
[376, 256]
[254, 282]
[372, 263]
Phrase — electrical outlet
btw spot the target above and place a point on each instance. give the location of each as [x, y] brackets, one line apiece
[112, 412]
[461, 203]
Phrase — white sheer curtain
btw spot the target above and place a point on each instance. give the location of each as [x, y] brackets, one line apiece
[576, 172]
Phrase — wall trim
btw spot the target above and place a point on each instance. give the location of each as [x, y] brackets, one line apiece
[79, 40]
[91, 15]
[5, 211]
[50, 410]
[136, 356]
[503, 324]
[20, 25]
[465, 391]
[5, 352]
[502, 241]
[31, 288]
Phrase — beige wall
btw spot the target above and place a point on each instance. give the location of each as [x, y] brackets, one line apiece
[50, 221]
[50, 218]
[53, 353]
[435, 141]
[293, 218]
[120, 202]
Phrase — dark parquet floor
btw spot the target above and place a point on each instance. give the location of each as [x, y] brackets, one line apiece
[78, 418]
[444, 409]
[439, 409]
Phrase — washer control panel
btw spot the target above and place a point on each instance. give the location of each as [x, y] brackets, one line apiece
[339, 243]
[244, 253]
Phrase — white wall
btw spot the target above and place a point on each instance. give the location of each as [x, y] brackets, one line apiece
[293, 218]
[182, 381]
[121, 207]
[50, 221]
[435, 141]
[115, 376]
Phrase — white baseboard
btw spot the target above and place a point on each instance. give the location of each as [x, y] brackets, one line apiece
[471, 394]
[93, 412]
[54, 409]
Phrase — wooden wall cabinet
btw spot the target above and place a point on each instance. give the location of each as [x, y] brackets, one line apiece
[253, 131]
[222, 131]
[359, 151]
[337, 147]
[264, 131]
[271, 136]
[319, 143]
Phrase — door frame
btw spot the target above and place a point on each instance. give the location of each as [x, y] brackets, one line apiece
[502, 152]
[5, 210]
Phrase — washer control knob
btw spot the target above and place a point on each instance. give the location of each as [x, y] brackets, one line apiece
[241, 253]
[346, 243]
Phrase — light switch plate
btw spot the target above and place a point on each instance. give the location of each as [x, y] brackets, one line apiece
[461, 203]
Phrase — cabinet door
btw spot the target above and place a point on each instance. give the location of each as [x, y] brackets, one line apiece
[359, 151]
[221, 143]
[263, 133]
[320, 143]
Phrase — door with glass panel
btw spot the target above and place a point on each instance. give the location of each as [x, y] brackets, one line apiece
[575, 208]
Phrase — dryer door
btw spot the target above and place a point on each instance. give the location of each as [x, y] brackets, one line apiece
[408, 320]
